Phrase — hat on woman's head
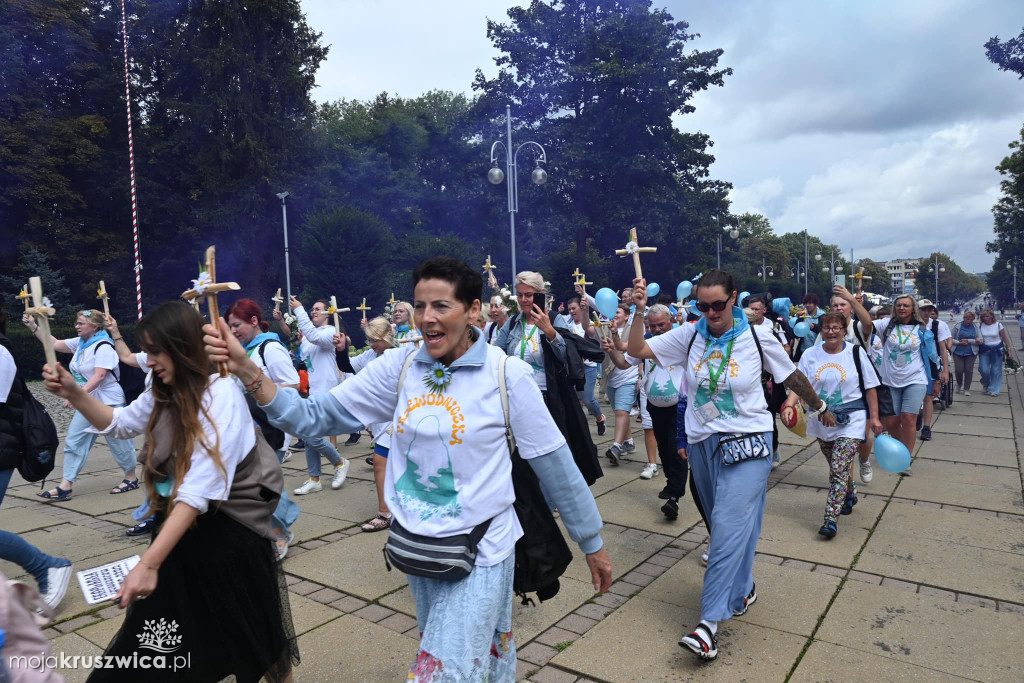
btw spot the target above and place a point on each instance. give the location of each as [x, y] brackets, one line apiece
[926, 303]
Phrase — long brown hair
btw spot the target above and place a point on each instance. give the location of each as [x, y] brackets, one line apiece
[175, 328]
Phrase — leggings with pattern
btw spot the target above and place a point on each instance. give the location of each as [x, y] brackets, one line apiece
[839, 453]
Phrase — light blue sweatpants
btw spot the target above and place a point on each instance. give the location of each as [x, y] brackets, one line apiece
[733, 497]
[78, 443]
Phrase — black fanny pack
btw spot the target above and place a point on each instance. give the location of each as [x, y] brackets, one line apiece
[450, 558]
[739, 447]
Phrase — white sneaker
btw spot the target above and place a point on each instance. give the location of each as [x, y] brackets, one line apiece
[287, 457]
[704, 557]
[634, 411]
[309, 487]
[650, 470]
[340, 472]
[866, 471]
[966, 393]
[57, 579]
[628, 447]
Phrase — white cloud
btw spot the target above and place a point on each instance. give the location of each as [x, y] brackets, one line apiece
[754, 198]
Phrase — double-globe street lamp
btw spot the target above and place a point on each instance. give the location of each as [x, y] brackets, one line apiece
[765, 271]
[936, 267]
[830, 265]
[1011, 264]
[539, 176]
[729, 230]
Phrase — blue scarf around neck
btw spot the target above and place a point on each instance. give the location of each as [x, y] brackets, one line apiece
[740, 326]
[260, 338]
[100, 335]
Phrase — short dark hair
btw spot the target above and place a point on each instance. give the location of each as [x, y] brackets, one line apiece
[468, 284]
[573, 300]
[757, 298]
[718, 278]
[833, 316]
[810, 298]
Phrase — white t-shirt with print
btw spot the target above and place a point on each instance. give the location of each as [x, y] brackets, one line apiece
[661, 385]
[990, 334]
[740, 398]
[449, 468]
[834, 378]
[618, 377]
[83, 366]
[902, 364]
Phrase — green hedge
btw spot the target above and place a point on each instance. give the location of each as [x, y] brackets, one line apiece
[28, 351]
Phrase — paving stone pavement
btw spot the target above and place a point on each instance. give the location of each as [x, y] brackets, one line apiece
[925, 580]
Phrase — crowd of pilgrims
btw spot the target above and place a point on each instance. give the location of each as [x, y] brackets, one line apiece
[449, 390]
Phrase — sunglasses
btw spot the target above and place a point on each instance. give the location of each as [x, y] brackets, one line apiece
[719, 306]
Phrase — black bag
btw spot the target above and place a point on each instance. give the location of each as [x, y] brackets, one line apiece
[448, 558]
[882, 394]
[131, 379]
[38, 433]
[273, 435]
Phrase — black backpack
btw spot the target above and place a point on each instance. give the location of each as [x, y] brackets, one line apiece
[273, 435]
[38, 433]
[132, 380]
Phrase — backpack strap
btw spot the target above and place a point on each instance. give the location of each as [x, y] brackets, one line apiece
[116, 370]
[856, 364]
[757, 342]
[503, 390]
[405, 371]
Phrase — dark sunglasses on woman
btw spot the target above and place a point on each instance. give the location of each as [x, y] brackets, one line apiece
[719, 306]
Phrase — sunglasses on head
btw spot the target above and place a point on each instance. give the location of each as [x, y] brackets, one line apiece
[719, 306]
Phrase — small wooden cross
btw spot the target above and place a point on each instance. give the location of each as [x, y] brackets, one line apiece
[42, 314]
[334, 310]
[101, 293]
[392, 300]
[210, 290]
[278, 300]
[634, 248]
[363, 307]
[602, 328]
[582, 282]
[24, 296]
[860, 277]
[488, 267]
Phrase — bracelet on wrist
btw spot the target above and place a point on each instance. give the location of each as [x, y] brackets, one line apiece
[254, 386]
[118, 338]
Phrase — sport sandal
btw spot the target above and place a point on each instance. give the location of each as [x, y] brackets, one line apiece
[125, 486]
[62, 495]
[701, 642]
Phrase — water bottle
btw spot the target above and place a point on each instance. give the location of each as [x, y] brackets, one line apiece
[5, 675]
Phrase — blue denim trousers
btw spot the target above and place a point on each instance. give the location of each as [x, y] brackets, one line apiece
[78, 442]
[14, 549]
[990, 365]
[315, 447]
[587, 395]
[287, 509]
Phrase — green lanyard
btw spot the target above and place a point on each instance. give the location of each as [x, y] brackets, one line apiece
[713, 374]
[899, 335]
[522, 344]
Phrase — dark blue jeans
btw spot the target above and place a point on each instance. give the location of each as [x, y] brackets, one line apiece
[14, 549]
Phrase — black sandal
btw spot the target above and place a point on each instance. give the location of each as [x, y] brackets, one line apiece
[62, 495]
[125, 486]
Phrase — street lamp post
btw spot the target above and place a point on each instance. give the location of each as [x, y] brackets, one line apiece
[835, 265]
[732, 232]
[936, 267]
[798, 270]
[1011, 264]
[539, 176]
[807, 264]
[765, 271]
[287, 269]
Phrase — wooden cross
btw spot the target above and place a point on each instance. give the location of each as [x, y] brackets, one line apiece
[277, 301]
[488, 267]
[210, 290]
[42, 315]
[24, 296]
[860, 277]
[334, 310]
[406, 340]
[582, 282]
[392, 300]
[363, 307]
[634, 248]
[101, 293]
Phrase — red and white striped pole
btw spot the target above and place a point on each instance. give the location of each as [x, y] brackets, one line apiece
[131, 164]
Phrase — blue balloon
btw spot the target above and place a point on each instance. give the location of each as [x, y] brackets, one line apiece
[607, 302]
[781, 306]
[891, 454]
[801, 329]
[653, 289]
[743, 297]
[683, 289]
[792, 322]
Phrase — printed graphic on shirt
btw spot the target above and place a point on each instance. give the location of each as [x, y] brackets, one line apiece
[904, 346]
[663, 389]
[427, 488]
[834, 375]
[723, 398]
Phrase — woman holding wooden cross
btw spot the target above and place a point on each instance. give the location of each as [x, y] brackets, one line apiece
[93, 366]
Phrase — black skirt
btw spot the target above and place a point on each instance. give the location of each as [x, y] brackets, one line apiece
[220, 608]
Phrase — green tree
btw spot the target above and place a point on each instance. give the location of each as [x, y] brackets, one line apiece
[1008, 55]
[598, 84]
[953, 281]
[35, 263]
[880, 282]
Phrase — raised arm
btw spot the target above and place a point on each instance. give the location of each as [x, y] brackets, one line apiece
[124, 354]
[58, 344]
[637, 345]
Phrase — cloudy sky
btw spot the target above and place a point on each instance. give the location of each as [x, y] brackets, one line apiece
[875, 125]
